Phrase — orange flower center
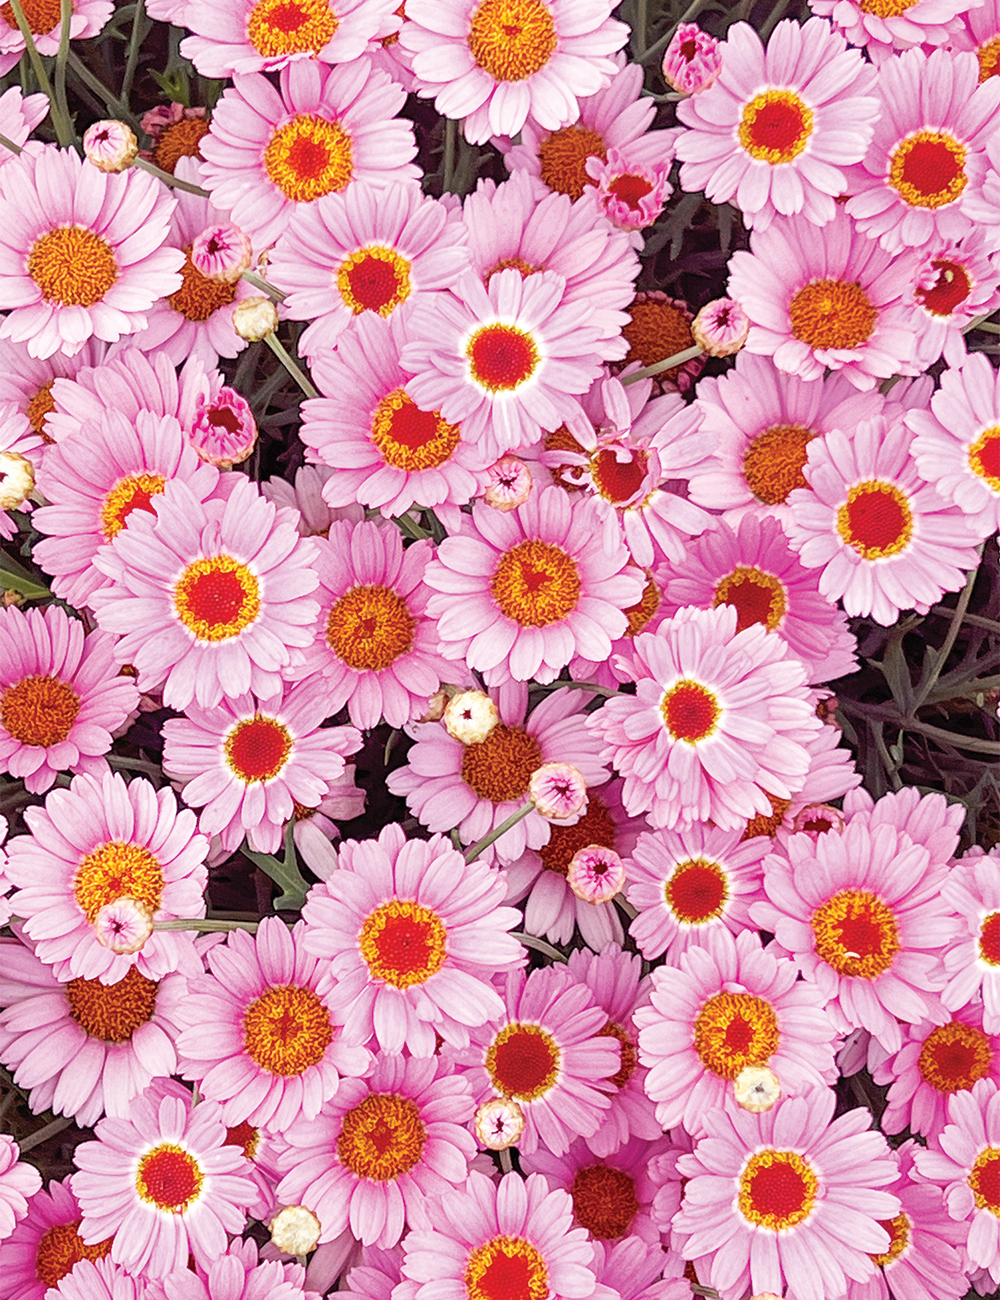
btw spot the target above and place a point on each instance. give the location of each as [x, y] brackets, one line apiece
[179, 140]
[409, 438]
[277, 28]
[501, 357]
[500, 767]
[989, 939]
[984, 1179]
[757, 597]
[42, 16]
[117, 870]
[309, 157]
[984, 457]
[697, 891]
[774, 460]
[954, 1057]
[951, 289]
[775, 127]
[217, 598]
[536, 583]
[856, 934]
[638, 615]
[777, 1189]
[512, 39]
[876, 520]
[287, 1030]
[510, 264]
[618, 480]
[690, 711]
[506, 1268]
[61, 1248]
[374, 279]
[198, 298]
[767, 823]
[927, 169]
[886, 8]
[169, 1178]
[257, 748]
[832, 314]
[594, 827]
[112, 1012]
[734, 1030]
[38, 408]
[244, 1136]
[39, 710]
[404, 943]
[370, 627]
[563, 156]
[656, 330]
[523, 1061]
[604, 1201]
[133, 493]
[989, 59]
[629, 1057]
[899, 1236]
[382, 1137]
[72, 267]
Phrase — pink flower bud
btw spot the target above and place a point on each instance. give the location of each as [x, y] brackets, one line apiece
[558, 790]
[509, 484]
[631, 194]
[111, 146]
[595, 874]
[224, 431]
[222, 252]
[123, 926]
[499, 1123]
[817, 818]
[692, 60]
[721, 327]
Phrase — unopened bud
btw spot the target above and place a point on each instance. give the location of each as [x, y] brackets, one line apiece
[817, 818]
[110, 145]
[756, 1088]
[509, 484]
[295, 1230]
[691, 62]
[558, 790]
[721, 327]
[123, 926]
[222, 253]
[224, 432]
[470, 716]
[436, 706]
[255, 318]
[499, 1123]
[595, 874]
[17, 479]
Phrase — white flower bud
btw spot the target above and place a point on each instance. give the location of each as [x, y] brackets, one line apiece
[470, 716]
[756, 1088]
[110, 145]
[499, 1123]
[295, 1230]
[17, 479]
[255, 318]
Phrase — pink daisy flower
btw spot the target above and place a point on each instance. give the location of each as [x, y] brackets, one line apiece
[265, 35]
[934, 1063]
[549, 1053]
[511, 1239]
[777, 130]
[957, 282]
[640, 1270]
[685, 884]
[507, 360]
[248, 762]
[754, 568]
[164, 1182]
[258, 1037]
[411, 959]
[894, 25]
[45, 1246]
[927, 155]
[87, 17]
[957, 443]
[366, 250]
[479, 785]
[84, 1048]
[928, 819]
[91, 845]
[95, 478]
[787, 1197]
[861, 915]
[494, 66]
[383, 1146]
[884, 538]
[19, 113]
[982, 29]
[629, 193]
[61, 697]
[833, 302]
[716, 714]
[729, 1004]
[18, 1182]
[211, 597]
[235, 1275]
[28, 382]
[81, 252]
[519, 594]
[972, 959]
[271, 151]
[964, 1159]
[99, 1280]
[374, 647]
[304, 494]
[388, 454]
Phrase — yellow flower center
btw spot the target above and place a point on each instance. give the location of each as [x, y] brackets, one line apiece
[830, 314]
[984, 456]
[886, 8]
[856, 934]
[563, 157]
[39, 407]
[989, 59]
[198, 298]
[656, 330]
[117, 870]
[899, 1236]
[984, 1180]
[61, 1248]
[512, 39]
[523, 1061]
[217, 598]
[409, 438]
[501, 357]
[374, 279]
[133, 493]
[112, 1012]
[42, 16]
[775, 127]
[309, 157]
[180, 140]
[506, 1268]
[954, 1057]
[39, 710]
[734, 1030]
[276, 28]
[287, 1030]
[369, 627]
[72, 266]
[382, 1137]
[536, 583]
[927, 169]
[169, 1178]
[756, 596]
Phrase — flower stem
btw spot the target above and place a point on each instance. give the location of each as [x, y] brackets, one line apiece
[203, 924]
[692, 11]
[481, 845]
[957, 618]
[111, 101]
[300, 377]
[539, 945]
[135, 41]
[658, 367]
[172, 181]
[43, 1134]
[258, 283]
[65, 17]
[63, 126]
[9, 144]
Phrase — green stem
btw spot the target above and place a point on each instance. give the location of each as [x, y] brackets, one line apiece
[987, 624]
[134, 45]
[481, 845]
[172, 181]
[410, 528]
[658, 367]
[111, 101]
[64, 128]
[539, 945]
[9, 144]
[274, 294]
[506, 1164]
[773, 18]
[576, 686]
[300, 377]
[205, 925]
[450, 140]
[691, 12]
[15, 578]
[988, 327]
[948, 644]
[43, 1134]
[65, 17]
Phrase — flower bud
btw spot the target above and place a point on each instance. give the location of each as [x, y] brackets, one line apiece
[756, 1088]
[123, 926]
[721, 327]
[224, 432]
[595, 874]
[692, 60]
[255, 318]
[470, 716]
[509, 484]
[222, 252]
[499, 1123]
[558, 790]
[17, 479]
[816, 818]
[295, 1230]
[110, 145]
[436, 706]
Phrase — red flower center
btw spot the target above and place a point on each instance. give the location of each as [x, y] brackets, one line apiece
[403, 943]
[954, 1057]
[258, 748]
[949, 291]
[501, 357]
[630, 189]
[697, 891]
[876, 520]
[169, 1178]
[989, 939]
[374, 279]
[690, 711]
[777, 1189]
[523, 1061]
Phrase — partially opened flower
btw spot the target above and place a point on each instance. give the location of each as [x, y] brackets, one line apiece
[692, 61]
[957, 282]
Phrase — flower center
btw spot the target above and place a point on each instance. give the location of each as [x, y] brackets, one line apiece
[951, 289]
[618, 481]
[499, 768]
[374, 279]
[876, 520]
[198, 298]
[117, 870]
[734, 1030]
[409, 438]
[757, 597]
[954, 1057]
[777, 1189]
[169, 1178]
[774, 460]
[697, 891]
[276, 28]
[604, 1201]
[404, 943]
[984, 1179]
[309, 157]
[630, 189]
[72, 267]
[856, 934]
[382, 1137]
[536, 583]
[512, 39]
[61, 1248]
[886, 8]
[501, 357]
[257, 748]
[217, 598]
[899, 1236]
[40, 15]
[690, 711]
[180, 140]
[989, 59]
[523, 1061]
[510, 264]
[638, 615]
[594, 827]
[39, 407]
[370, 627]
[244, 1136]
[287, 1030]
[506, 1268]
[984, 457]
[832, 314]
[767, 823]
[656, 330]
[112, 1012]
[563, 157]
[989, 940]
[629, 1058]
[775, 127]
[927, 169]
[133, 493]
[39, 710]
